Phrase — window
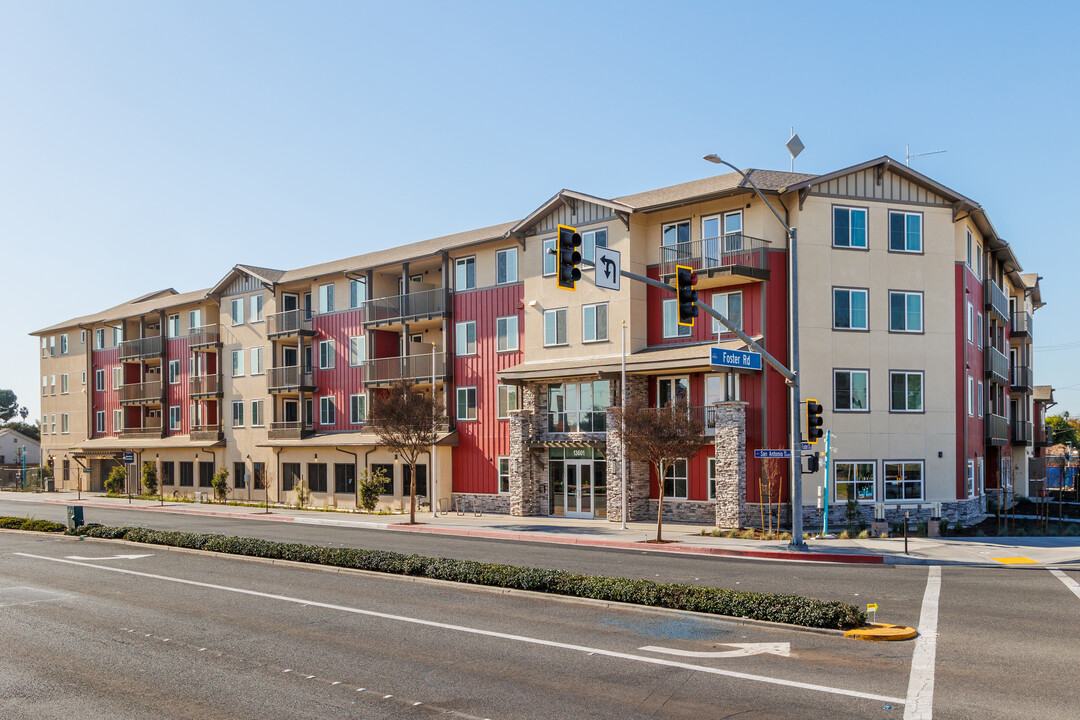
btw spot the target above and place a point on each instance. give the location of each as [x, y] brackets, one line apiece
[578, 407]
[555, 327]
[466, 403]
[504, 475]
[256, 308]
[849, 309]
[676, 233]
[357, 350]
[44, 347]
[63, 344]
[672, 328]
[82, 377]
[99, 381]
[118, 420]
[238, 311]
[387, 471]
[257, 365]
[326, 354]
[44, 385]
[720, 235]
[167, 470]
[851, 390]
[52, 384]
[506, 268]
[903, 480]
[594, 322]
[906, 391]
[316, 473]
[258, 419]
[357, 292]
[239, 470]
[712, 478]
[52, 345]
[905, 232]
[465, 273]
[506, 333]
[672, 390]
[854, 480]
[849, 227]
[99, 421]
[63, 423]
[971, 395]
[326, 298]
[344, 478]
[905, 312]
[980, 399]
[82, 337]
[675, 480]
[719, 387]
[117, 378]
[970, 247]
[237, 363]
[99, 339]
[64, 384]
[187, 473]
[465, 338]
[290, 476]
[327, 411]
[589, 242]
[969, 482]
[730, 306]
[421, 480]
[174, 372]
[172, 326]
[970, 327]
[206, 474]
[508, 400]
[357, 409]
[979, 329]
[238, 413]
[416, 338]
[551, 262]
[174, 417]
[194, 320]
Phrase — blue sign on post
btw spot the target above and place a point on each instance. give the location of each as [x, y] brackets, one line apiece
[736, 359]
[129, 456]
[779, 452]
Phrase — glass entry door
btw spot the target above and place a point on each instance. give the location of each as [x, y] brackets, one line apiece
[578, 499]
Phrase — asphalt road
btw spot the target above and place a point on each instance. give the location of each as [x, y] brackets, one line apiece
[82, 639]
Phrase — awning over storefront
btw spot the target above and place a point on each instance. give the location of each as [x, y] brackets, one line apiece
[347, 439]
[104, 447]
[601, 444]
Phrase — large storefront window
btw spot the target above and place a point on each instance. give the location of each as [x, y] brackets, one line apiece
[578, 483]
[578, 407]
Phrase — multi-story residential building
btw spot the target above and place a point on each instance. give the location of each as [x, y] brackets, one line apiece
[915, 326]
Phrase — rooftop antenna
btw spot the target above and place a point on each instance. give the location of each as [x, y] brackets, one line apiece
[908, 153]
[794, 146]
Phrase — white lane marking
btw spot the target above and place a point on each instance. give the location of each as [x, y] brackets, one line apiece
[111, 557]
[743, 650]
[486, 633]
[1069, 582]
[920, 692]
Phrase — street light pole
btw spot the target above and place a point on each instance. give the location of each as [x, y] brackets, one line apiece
[622, 429]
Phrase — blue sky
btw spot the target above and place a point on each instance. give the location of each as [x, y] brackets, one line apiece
[151, 145]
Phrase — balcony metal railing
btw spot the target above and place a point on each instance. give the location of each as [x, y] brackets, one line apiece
[141, 348]
[996, 300]
[417, 368]
[1022, 431]
[1022, 378]
[205, 385]
[286, 430]
[148, 430]
[289, 322]
[426, 303]
[1021, 324]
[204, 335]
[141, 392]
[205, 433]
[997, 365]
[295, 377]
[997, 429]
[728, 251]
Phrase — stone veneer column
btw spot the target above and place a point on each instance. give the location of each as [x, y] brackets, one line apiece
[637, 472]
[731, 464]
[528, 476]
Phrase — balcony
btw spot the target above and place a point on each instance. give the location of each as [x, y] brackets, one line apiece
[997, 430]
[291, 430]
[1022, 379]
[148, 430]
[727, 260]
[204, 386]
[997, 366]
[206, 337]
[140, 393]
[416, 368]
[297, 378]
[423, 305]
[141, 348]
[289, 323]
[996, 300]
[1044, 436]
[205, 433]
[1021, 432]
[1021, 325]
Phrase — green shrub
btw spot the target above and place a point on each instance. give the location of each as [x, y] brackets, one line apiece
[14, 523]
[844, 535]
[370, 487]
[220, 483]
[863, 535]
[116, 481]
[883, 536]
[748, 535]
[149, 478]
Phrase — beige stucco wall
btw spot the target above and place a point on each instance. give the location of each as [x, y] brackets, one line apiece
[75, 402]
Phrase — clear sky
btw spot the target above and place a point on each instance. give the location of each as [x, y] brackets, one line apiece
[155, 144]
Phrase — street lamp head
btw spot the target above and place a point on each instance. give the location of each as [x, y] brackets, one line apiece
[714, 158]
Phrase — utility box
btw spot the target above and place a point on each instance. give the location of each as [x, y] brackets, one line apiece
[74, 517]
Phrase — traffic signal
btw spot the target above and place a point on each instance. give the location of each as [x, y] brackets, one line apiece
[814, 421]
[813, 463]
[569, 257]
[685, 279]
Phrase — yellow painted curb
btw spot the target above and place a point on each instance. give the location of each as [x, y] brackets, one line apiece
[882, 631]
[1016, 561]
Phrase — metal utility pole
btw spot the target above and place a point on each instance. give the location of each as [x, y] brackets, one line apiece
[622, 429]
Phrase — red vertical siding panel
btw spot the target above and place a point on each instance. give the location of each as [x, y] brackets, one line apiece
[343, 380]
[179, 394]
[107, 399]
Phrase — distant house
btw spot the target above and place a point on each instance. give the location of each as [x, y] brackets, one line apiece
[10, 441]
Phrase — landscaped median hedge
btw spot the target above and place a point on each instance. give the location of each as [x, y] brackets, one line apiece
[790, 609]
[17, 523]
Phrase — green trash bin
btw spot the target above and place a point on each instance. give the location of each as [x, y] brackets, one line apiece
[74, 516]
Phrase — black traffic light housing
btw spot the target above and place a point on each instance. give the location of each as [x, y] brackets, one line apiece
[813, 463]
[685, 279]
[814, 421]
[569, 257]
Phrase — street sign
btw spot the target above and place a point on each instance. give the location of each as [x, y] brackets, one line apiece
[129, 456]
[871, 607]
[736, 359]
[778, 453]
[608, 267]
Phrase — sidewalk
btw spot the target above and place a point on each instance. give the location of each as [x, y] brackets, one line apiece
[1021, 551]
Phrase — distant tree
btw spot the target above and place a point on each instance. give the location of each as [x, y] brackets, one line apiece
[1065, 429]
[660, 437]
[24, 413]
[30, 431]
[9, 405]
[405, 421]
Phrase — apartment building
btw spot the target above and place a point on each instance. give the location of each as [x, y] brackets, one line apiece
[915, 325]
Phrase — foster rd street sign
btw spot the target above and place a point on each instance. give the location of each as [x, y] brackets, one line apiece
[736, 359]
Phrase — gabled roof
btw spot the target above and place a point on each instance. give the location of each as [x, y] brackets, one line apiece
[565, 197]
[143, 305]
[712, 187]
[266, 276]
[1031, 280]
[24, 436]
[1043, 393]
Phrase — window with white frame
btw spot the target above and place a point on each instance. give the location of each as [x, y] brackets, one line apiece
[174, 417]
[82, 376]
[970, 251]
[327, 411]
[52, 384]
[676, 233]
[850, 309]
[174, 372]
[730, 306]
[326, 354]
[326, 298]
[256, 308]
[117, 336]
[237, 363]
[979, 330]
[357, 292]
[99, 339]
[466, 403]
[905, 231]
[63, 383]
[99, 381]
[357, 350]
[172, 326]
[594, 322]
[52, 345]
[194, 320]
[971, 396]
[117, 378]
[465, 273]
[980, 399]
[358, 409]
[465, 338]
[905, 391]
[506, 333]
[99, 421]
[506, 266]
[555, 327]
[589, 242]
[63, 344]
[258, 418]
[855, 480]
[720, 235]
[578, 407]
[672, 328]
[970, 327]
[508, 400]
[44, 347]
[905, 311]
[851, 390]
[237, 312]
[44, 385]
[258, 363]
[238, 413]
[675, 483]
[551, 261]
[903, 480]
[849, 227]
[969, 480]
[670, 390]
[504, 475]
[82, 337]
[118, 421]
[64, 423]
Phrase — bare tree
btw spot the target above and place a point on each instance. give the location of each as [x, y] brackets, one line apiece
[660, 437]
[406, 421]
